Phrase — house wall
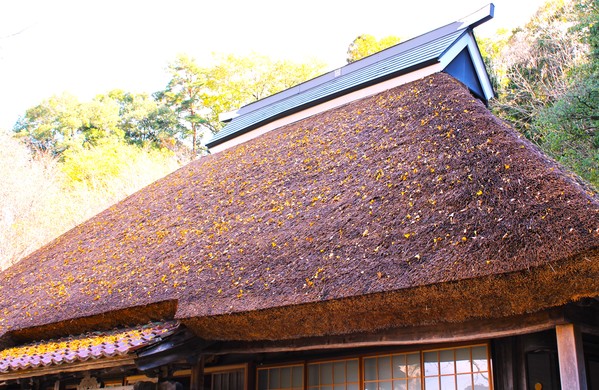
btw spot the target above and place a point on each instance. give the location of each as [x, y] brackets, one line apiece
[517, 362]
[521, 362]
[462, 68]
[413, 367]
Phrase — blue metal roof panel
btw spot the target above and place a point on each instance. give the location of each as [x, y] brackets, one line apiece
[327, 86]
[389, 52]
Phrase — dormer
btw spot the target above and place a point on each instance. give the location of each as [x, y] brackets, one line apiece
[451, 49]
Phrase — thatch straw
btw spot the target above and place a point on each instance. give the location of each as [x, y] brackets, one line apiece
[414, 195]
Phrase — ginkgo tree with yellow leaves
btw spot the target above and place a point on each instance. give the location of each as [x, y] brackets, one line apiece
[234, 81]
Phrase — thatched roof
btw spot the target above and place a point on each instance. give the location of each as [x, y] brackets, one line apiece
[416, 203]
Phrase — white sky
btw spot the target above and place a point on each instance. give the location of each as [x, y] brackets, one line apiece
[87, 47]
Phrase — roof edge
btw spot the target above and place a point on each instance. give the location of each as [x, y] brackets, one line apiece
[132, 316]
[353, 76]
[486, 297]
[214, 142]
[472, 20]
[479, 17]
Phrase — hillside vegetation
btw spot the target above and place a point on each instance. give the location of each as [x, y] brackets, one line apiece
[546, 76]
[67, 159]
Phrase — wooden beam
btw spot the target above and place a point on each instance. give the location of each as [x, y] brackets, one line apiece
[228, 367]
[588, 329]
[197, 375]
[571, 357]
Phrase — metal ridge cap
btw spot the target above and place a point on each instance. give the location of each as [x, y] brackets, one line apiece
[237, 125]
[382, 55]
[480, 16]
[248, 125]
[470, 21]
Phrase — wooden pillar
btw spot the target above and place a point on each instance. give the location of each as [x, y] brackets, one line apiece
[505, 363]
[571, 357]
[197, 375]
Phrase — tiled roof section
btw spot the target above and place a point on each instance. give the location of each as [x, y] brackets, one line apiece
[92, 345]
[404, 57]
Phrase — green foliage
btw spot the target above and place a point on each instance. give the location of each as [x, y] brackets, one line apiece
[143, 120]
[100, 120]
[184, 96]
[491, 50]
[571, 124]
[366, 44]
[175, 118]
[547, 83]
[588, 26]
[53, 124]
[62, 122]
[533, 66]
[570, 129]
